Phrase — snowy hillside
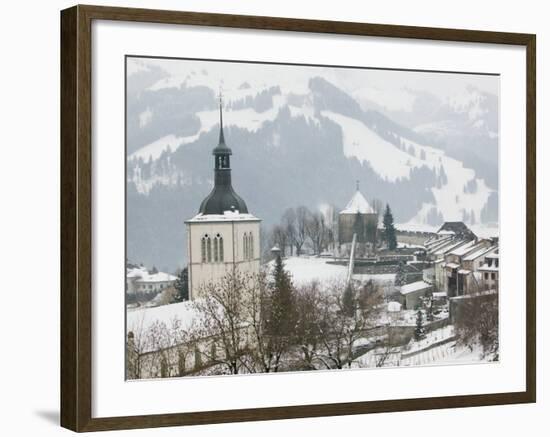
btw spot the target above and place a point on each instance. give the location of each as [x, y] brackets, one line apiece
[321, 131]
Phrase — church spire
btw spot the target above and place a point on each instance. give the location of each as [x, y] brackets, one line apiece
[223, 197]
[222, 139]
[221, 148]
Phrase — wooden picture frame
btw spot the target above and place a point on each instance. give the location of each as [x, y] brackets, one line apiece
[76, 217]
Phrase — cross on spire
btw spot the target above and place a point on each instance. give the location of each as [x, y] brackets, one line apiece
[357, 184]
[222, 139]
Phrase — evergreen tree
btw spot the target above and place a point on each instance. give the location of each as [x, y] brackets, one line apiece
[400, 275]
[182, 286]
[154, 271]
[282, 297]
[389, 229]
[419, 329]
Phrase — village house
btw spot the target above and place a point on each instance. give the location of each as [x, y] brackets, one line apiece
[460, 267]
[142, 282]
[489, 271]
[411, 293]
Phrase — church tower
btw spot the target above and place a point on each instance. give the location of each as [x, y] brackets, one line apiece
[223, 236]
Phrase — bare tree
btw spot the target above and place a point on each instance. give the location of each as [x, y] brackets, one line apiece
[308, 301]
[300, 236]
[476, 321]
[288, 223]
[317, 231]
[223, 320]
[390, 346]
[348, 313]
[280, 238]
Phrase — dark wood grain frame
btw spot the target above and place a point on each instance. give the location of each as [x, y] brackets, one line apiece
[76, 217]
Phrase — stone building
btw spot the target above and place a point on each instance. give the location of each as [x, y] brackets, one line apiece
[358, 218]
[142, 282]
[223, 236]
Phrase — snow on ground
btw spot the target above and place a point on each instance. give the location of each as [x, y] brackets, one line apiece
[139, 320]
[154, 150]
[448, 353]
[392, 163]
[364, 144]
[359, 140]
[243, 118]
[432, 337]
[394, 99]
[305, 269]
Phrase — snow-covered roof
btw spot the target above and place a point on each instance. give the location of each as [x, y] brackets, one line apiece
[465, 248]
[446, 233]
[446, 248]
[452, 265]
[414, 286]
[227, 216]
[464, 272]
[357, 204]
[142, 275]
[439, 294]
[482, 251]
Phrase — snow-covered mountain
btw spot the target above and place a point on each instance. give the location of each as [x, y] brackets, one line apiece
[301, 138]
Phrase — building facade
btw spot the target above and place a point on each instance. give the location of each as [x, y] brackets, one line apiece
[223, 237]
[357, 218]
[141, 282]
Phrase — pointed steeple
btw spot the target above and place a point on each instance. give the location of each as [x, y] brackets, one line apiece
[221, 148]
[222, 139]
[222, 197]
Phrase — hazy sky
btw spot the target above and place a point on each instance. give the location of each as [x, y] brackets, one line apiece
[380, 85]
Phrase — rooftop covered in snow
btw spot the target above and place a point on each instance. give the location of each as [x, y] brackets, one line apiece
[141, 274]
[414, 286]
[227, 216]
[358, 204]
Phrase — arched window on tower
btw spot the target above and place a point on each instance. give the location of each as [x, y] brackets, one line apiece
[208, 249]
[203, 248]
[248, 246]
[218, 248]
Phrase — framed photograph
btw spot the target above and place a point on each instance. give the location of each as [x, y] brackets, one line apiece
[268, 218]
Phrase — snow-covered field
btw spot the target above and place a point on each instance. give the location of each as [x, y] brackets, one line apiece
[141, 319]
[447, 353]
[305, 269]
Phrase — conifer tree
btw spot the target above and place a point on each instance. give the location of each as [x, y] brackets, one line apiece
[389, 229]
[282, 319]
[400, 275]
[182, 286]
[419, 329]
